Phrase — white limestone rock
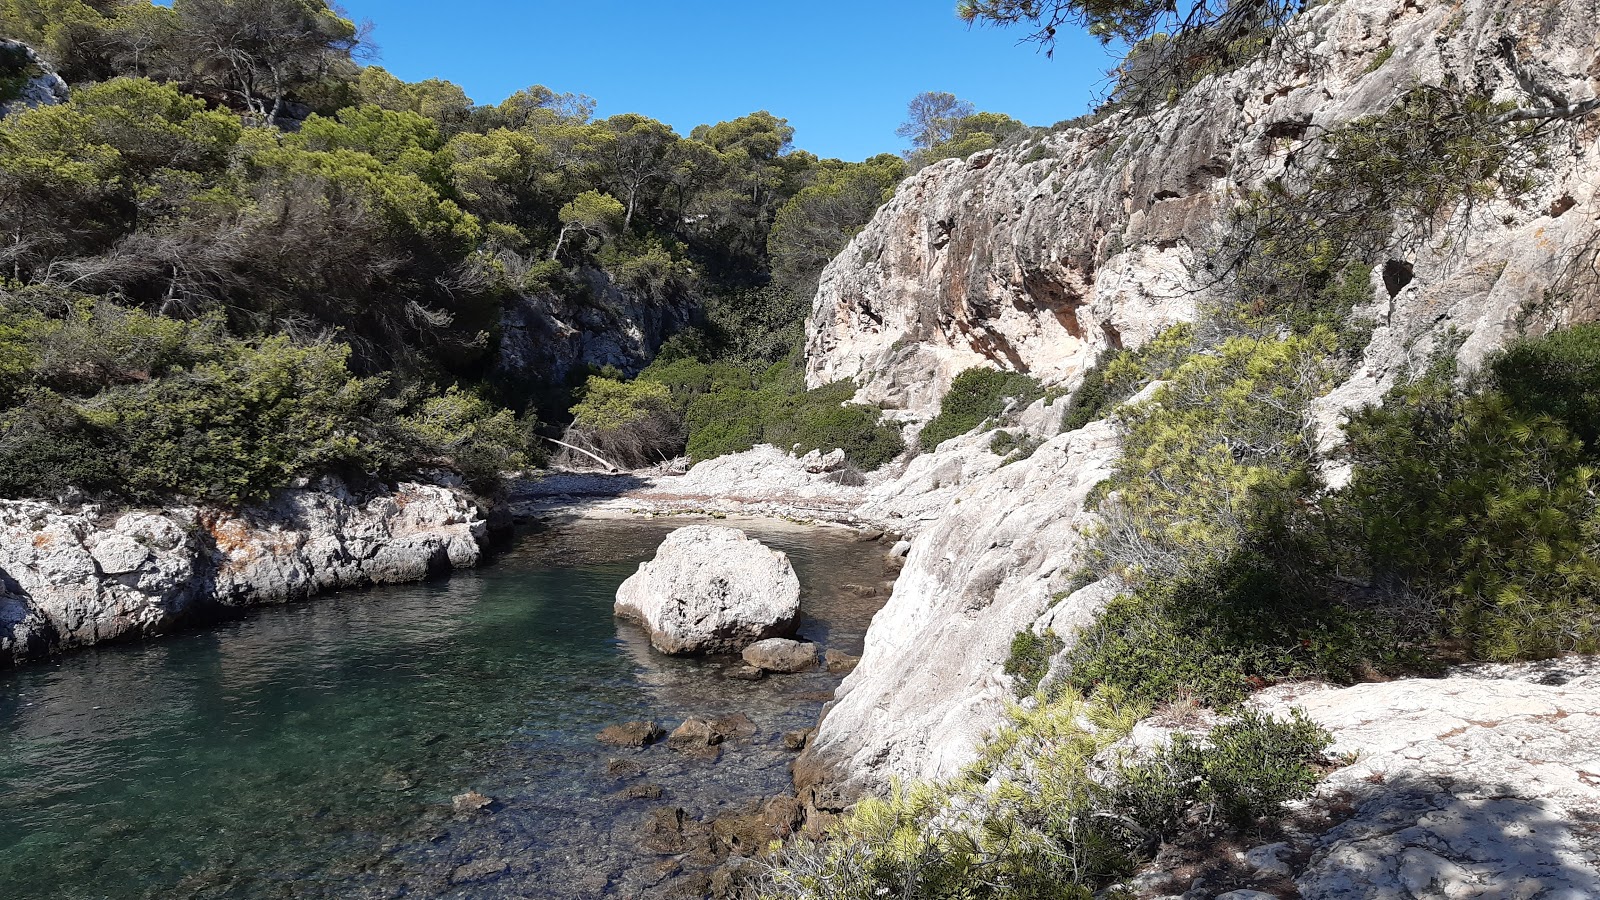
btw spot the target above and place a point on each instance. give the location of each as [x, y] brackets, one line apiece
[930, 682]
[1466, 786]
[41, 86]
[69, 578]
[711, 590]
[781, 655]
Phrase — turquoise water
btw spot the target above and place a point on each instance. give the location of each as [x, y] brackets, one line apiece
[312, 750]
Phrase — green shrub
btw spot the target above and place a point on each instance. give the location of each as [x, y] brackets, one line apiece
[1556, 376]
[628, 423]
[1245, 770]
[47, 446]
[235, 429]
[1218, 450]
[976, 396]
[1029, 659]
[728, 414]
[460, 430]
[1484, 504]
[1029, 822]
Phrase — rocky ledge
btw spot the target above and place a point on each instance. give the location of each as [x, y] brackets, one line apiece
[1482, 784]
[75, 576]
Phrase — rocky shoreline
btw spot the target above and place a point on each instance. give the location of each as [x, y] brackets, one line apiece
[74, 575]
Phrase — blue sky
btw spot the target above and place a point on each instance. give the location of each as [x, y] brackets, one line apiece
[840, 72]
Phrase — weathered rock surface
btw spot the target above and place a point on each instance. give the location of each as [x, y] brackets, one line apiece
[781, 655]
[711, 590]
[74, 577]
[40, 85]
[1482, 784]
[929, 684]
[1039, 256]
[631, 734]
[546, 337]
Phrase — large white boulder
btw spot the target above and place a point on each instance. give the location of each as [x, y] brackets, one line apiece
[712, 590]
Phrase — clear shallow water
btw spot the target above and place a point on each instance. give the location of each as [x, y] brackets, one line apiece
[312, 750]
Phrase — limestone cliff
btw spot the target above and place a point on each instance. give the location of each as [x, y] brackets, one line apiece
[72, 577]
[1037, 257]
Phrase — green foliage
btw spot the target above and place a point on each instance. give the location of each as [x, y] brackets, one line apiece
[976, 396]
[817, 222]
[1215, 636]
[1029, 822]
[1114, 377]
[1218, 451]
[730, 412]
[462, 431]
[134, 406]
[1557, 376]
[628, 423]
[1481, 503]
[234, 429]
[1029, 659]
[1246, 770]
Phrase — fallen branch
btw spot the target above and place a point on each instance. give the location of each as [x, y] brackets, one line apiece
[594, 456]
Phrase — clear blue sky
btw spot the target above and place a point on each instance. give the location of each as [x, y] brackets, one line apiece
[840, 71]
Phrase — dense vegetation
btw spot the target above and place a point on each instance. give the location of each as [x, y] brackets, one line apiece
[1028, 821]
[976, 396]
[230, 197]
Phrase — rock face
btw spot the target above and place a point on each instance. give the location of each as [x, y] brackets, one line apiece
[1038, 256]
[711, 590]
[39, 84]
[74, 577]
[1482, 784]
[547, 337]
[929, 685]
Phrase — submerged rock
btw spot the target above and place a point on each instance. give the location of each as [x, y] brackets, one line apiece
[631, 734]
[711, 590]
[695, 737]
[471, 802]
[840, 662]
[781, 655]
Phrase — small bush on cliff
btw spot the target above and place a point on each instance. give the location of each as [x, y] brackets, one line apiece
[1029, 660]
[976, 396]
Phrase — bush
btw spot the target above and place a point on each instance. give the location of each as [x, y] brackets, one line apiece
[142, 407]
[1484, 503]
[460, 430]
[1557, 376]
[728, 414]
[1029, 820]
[1215, 638]
[1029, 659]
[235, 429]
[976, 396]
[1245, 770]
[632, 424]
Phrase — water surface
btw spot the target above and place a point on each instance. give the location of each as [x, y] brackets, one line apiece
[312, 750]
